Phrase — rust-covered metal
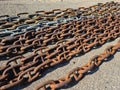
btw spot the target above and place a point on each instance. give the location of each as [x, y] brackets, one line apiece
[51, 45]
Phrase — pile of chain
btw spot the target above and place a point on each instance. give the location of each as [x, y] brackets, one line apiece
[23, 22]
[26, 69]
[77, 73]
[51, 45]
[91, 31]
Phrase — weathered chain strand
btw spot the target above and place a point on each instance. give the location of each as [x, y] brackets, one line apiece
[77, 73]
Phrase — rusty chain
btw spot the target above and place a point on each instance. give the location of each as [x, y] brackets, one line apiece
[91, 28]
[77, 73]
[24, 22]
[20, 68]
[52, 45]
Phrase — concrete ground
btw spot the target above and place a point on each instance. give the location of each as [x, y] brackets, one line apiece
[107, 77]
